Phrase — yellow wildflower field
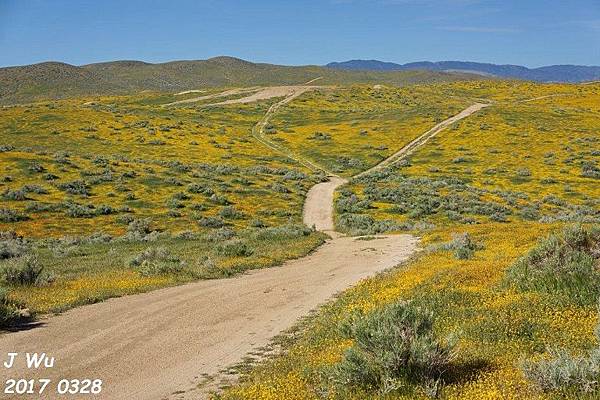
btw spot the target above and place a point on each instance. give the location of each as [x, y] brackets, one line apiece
[507, 176]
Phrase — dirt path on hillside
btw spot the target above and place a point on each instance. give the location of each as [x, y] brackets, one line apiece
[226, 93]
[151, 345]
[267, 93]
[424, 138]
[318, 206]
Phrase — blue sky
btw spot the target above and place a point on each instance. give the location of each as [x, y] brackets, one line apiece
[527, 32]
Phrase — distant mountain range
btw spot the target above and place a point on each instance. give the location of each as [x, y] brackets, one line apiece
[552, 73]
[55, 80]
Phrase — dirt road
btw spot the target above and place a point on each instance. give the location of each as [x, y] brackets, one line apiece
[151, 345]
[318, 207]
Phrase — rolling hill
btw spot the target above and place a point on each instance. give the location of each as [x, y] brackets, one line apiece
[54, 80]
[552, 73]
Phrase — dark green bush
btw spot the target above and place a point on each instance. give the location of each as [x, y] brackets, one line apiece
[393, 345]
[10, 215]
[234, 248]
[157, 261]
[565, 263]
[12, 245]
[25, 270]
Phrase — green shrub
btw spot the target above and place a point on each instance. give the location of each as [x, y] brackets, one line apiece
[564, 373]
[362, 224]
[80, 211]
[219, 199]
[10, 215]
[257, 223]
[26, 270]
[37, 189]
[157, 261]
[564, 263]
[462, 245]
[393, 345]
[211, 222]
[530, 213]
[234, 248]
[219, 235]
[8, 311]
[14, 195]
[174, 203]
[197, 188]
[289, 231]
[279, 188]
[12, 245]
[230, 212]
[590, 170]
[75, 187]
[138, 229]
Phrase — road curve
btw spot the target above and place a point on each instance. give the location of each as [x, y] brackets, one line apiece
[151, 345]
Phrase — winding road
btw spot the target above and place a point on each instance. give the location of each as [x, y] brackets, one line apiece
[163, 344]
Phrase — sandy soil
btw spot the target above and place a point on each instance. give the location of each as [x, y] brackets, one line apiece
[189, 91]
[268, 93]
[230, 92]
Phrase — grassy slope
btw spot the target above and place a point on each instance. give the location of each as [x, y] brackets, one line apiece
[497, 324]
[349, 130]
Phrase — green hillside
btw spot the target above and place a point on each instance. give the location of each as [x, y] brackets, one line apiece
[54, 80]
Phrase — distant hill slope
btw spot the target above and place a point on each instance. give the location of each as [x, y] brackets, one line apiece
[552, 73]
[53, 80]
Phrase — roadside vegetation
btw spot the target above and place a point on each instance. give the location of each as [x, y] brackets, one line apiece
[503, 301]
[117, 195]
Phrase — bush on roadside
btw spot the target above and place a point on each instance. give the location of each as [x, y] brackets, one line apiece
[157, 261]
[394, 345]
[234, 248]
[288, 231]
[9, 312]
[26, 271]
[564, 263]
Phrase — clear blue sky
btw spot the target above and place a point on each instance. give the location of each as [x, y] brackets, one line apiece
[527, 32]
